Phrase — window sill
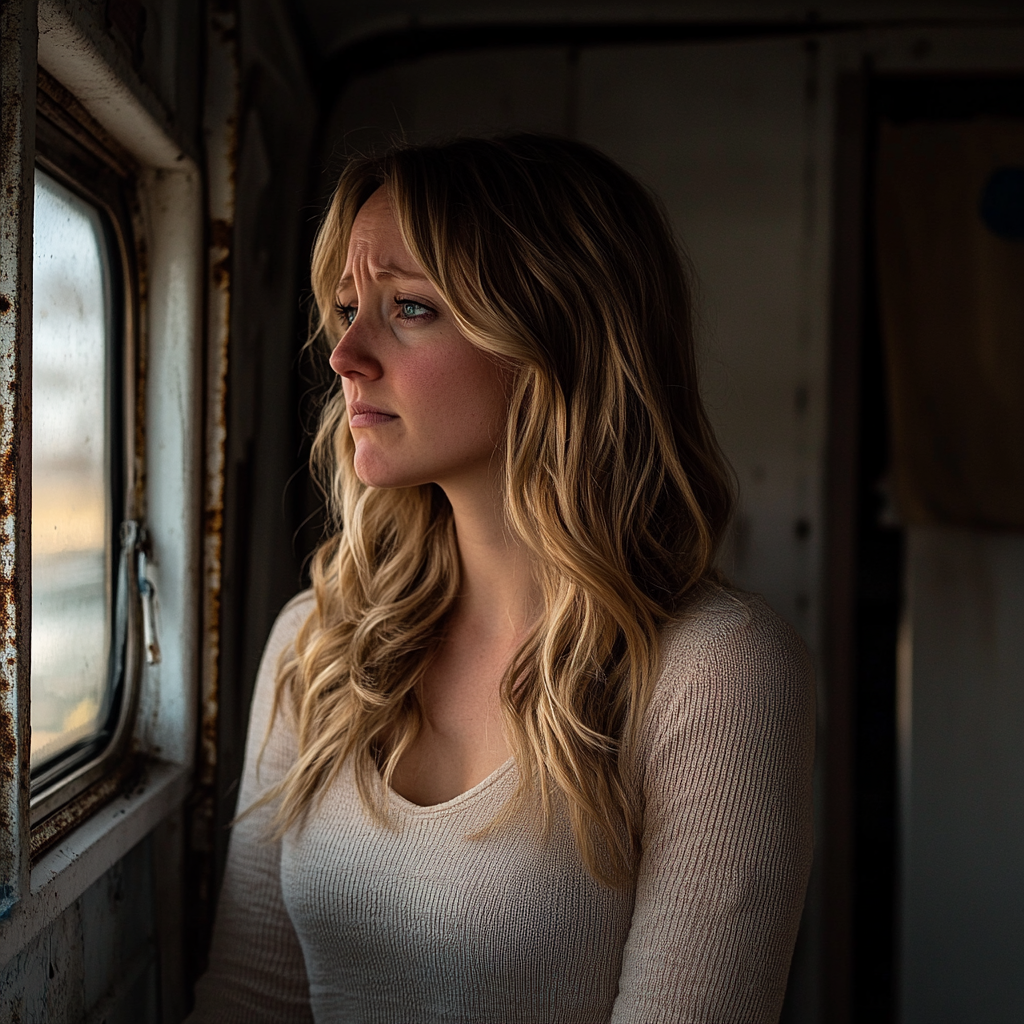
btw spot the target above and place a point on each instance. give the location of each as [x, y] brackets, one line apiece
[64, 872]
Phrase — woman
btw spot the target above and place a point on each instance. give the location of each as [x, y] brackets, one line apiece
[519, 755]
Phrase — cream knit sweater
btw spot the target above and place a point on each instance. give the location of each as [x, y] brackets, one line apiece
[345, 921]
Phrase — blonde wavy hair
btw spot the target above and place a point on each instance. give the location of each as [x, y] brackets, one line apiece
[556, 260]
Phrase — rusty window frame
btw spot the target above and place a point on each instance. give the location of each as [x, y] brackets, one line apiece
[75, 151]
[36, 889]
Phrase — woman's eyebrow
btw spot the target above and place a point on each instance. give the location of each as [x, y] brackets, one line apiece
[388, 270]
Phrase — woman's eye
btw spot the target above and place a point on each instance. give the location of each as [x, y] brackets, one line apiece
[346, 313]
[409, 310]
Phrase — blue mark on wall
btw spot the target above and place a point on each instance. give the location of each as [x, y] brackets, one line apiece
[7, 900]
[1001, 206]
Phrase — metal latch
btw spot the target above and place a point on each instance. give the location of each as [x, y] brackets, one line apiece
[150, 640]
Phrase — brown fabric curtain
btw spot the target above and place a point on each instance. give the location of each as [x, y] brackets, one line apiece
[951, 277]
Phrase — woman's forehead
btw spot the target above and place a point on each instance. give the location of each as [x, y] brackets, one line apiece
[375, 247]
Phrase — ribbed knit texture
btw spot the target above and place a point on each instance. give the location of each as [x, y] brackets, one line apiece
[347, 921]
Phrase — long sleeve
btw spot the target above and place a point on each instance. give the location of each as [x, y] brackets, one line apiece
[725, 764]
[257, 972]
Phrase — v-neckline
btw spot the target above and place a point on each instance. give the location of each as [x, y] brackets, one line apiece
[413, 808]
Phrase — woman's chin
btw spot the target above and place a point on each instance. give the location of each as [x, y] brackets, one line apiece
[373, 473]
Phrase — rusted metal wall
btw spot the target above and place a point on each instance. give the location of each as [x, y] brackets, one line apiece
[17, 146]
[258, 121]
[250, 569]
[260, 568]
[220, 130]
[115, 952]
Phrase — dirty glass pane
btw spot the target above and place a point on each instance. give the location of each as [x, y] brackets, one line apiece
[70, 505]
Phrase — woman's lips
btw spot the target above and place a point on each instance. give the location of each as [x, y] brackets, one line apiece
[361, 415]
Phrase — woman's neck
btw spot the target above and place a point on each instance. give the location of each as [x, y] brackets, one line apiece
[498, 596]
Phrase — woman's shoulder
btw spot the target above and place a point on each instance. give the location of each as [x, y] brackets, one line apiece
[728, 655]
[727, 625]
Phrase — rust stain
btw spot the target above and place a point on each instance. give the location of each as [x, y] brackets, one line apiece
[220, 273]
[222, 123]
[221, 233]
[12, 126]
[221, 237]
[8, 746]
[213, 542]
[5, 302]
[11, 571]
[8, 760]
[128, 778]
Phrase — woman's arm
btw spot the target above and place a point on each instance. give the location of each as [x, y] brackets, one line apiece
[726, 772]
[257, 972]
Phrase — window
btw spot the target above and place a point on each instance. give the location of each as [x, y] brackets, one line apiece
[118, 425]
[85, 540]
[71, 495]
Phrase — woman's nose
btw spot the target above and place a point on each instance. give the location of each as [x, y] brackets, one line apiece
[355, 354]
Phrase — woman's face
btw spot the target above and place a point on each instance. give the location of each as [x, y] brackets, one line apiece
[424, 404]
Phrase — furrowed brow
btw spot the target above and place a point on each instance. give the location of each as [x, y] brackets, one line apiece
[393, 270]
[384, 271]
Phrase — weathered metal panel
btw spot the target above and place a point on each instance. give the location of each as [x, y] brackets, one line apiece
[220, 130]
[220, 126]
[17, 146]
[45, 981]
[119, 934]
[98, 961]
